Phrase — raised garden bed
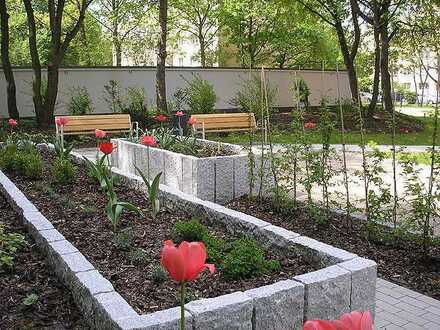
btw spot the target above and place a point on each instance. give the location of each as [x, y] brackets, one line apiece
[219, 179]
[277, 299]
[402, 263]
[31, 296]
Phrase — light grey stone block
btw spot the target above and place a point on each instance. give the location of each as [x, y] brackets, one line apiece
[274, 236]
[114, 306]
[363, 283]
[125, 156]
[94, 282]
[75, 262]
[327, 293]
[278, 306]
[204, 178]
[63, 247]
[37, 221]
[224, 179]
[231, 311]
[187, 174]
[155, 160]
[52, 235]
[20, 203]
[168, 319]
[241, 176]
[319, 252]
[173, 169]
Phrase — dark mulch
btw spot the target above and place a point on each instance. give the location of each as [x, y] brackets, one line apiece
[77, 211]
[401, 263]
[30, 274]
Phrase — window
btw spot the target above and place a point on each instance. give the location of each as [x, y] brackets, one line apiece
[181, 61]
[407, 85]
[423, 85]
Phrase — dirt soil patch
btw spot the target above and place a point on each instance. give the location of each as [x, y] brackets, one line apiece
[401, 263]
[30, 274]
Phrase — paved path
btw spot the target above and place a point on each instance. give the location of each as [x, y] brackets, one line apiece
[400, 308]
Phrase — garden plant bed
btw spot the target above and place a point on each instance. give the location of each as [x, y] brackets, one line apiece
[337, 281]
[219, 179]
[31, 274]
[402, 264]
[78, 212]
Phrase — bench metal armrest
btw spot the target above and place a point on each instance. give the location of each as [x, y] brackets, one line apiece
[135, 124]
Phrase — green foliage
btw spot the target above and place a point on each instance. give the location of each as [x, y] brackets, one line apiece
[190, 231]
[99, 171]
[135, 104]
[215, 248]
[138, 256]
[200, 96]
[62, 149]
[112, 96]
[159, 274]
[63, 170]
[30, 300]
[9, 245]
[79, 102]
[152, 190]
[301, 92]
[122, 240]
[249, 97]
[247, 259]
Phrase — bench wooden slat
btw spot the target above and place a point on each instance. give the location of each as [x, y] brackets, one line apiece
[87, 124]
[89, 127]
[209, 126]
[92, 117]
[97, 122]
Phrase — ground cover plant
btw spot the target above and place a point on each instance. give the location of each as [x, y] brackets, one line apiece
[129, 256]
[31, 297]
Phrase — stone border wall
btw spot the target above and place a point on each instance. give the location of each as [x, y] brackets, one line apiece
[217, 179]
[346, 283]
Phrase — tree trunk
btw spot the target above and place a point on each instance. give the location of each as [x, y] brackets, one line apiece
[6, 64]
[376, 78]
[117, 48]
[202, 49]
[36, 66]
[415, 87]
[384, 68]
[161, 99]
[349, 64]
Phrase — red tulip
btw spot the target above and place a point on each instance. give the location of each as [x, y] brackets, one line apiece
[309, 125]
[148, 140]
[350, 321]
[12, 122]
[107, 148]
[100, 134]
[320, 325]
[161, 118]
[192, 120]
[179, 113]
[61, 121]
[186, 262]
[404, 130]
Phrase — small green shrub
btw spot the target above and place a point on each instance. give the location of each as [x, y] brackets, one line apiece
[30, 300]
[215, 248]
[9, 244]
[138, 256]
[25, 161]
[80, 102]
[122, 240]
[200, 96]
[246, 259]
[190, 231]
[63, 170]
[159, 274]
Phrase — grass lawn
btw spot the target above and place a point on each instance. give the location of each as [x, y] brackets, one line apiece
[282, 136]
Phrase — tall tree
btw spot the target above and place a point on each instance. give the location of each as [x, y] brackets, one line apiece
[120, 18]
[340, 14]
[199, 18]
[161, 91]
[6, 63]
[44, 103]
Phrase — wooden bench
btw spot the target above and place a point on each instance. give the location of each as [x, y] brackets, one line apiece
[86, 124]
[224, 122]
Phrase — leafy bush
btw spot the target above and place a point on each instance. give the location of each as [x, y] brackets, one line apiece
[215, 248]
[63, 170]
[135, 104]
[159, 274]
[190, 231]
[301, 89]
[249, 98]
[122, 240]
[30, 164]
[247, 259]
[200, 96]
[23, 159]
[80, 102]
[9, 244]
[138, 256]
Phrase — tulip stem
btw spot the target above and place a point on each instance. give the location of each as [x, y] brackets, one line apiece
[182, 305]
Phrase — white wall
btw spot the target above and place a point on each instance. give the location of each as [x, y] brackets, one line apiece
[226, 83]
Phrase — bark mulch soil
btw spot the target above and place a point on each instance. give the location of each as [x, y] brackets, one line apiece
[401, 263]
[77, 211]
[30, 274]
